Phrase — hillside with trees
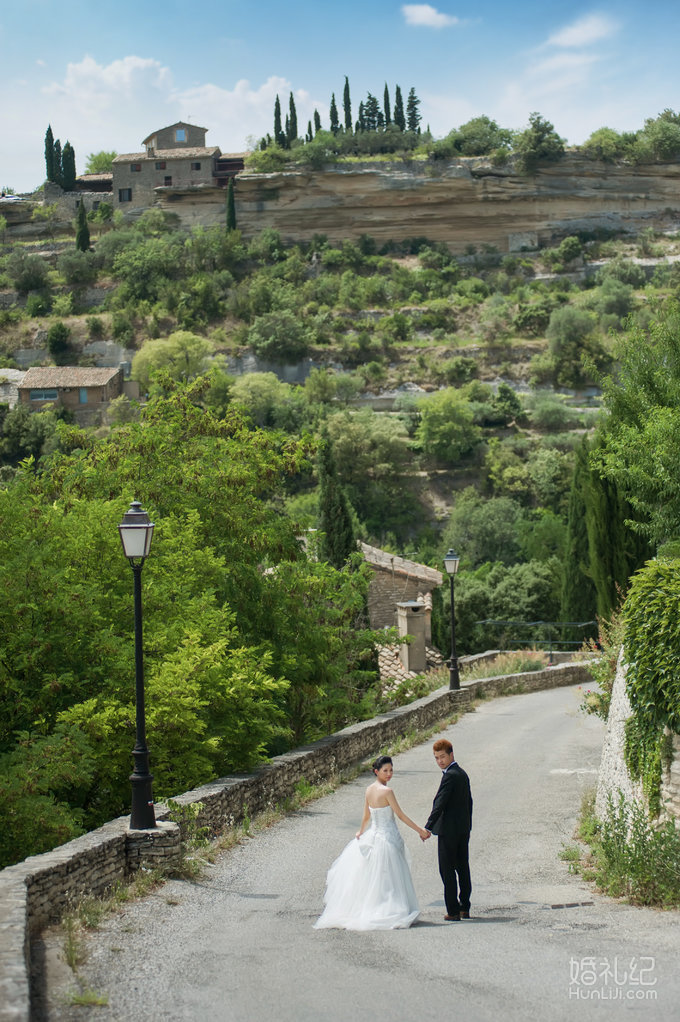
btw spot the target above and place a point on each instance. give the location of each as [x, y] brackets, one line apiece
[442, 401]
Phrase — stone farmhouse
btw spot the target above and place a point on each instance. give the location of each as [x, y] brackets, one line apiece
[175, 158]
[84, 391]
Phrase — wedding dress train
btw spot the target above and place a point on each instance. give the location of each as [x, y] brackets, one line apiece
[369, 886]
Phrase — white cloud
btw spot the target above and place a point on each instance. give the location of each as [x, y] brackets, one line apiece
[424, 15]
[586, 30]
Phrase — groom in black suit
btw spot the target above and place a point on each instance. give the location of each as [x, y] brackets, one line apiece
[451, 821]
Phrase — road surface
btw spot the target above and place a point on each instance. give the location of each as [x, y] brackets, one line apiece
[238, 944]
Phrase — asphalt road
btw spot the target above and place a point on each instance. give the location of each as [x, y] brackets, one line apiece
[238, 944]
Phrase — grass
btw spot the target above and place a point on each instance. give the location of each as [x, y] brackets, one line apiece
[517, 662]
[630, 856]
[88, 998]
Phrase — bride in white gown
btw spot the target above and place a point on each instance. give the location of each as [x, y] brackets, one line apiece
[369, 886]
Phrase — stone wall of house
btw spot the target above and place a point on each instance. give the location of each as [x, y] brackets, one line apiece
[40, 889]
[613, 774]
[67, 202]
[386, 590]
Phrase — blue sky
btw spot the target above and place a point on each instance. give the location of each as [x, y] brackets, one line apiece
[106, 75]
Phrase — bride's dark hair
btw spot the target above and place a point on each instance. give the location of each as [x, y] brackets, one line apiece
[380, 762]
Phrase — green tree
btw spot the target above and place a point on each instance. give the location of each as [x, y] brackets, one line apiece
[399, 117]
[57, 163]
[58, 342]
[279, 336]
[49, 153]
[484, 529]
[347, 107]
[538, 143]
[292, 133]
[482, 136]
[446, 430]
[279, 135]
[101, 162]
[231, 206]
[317, 122]
[82, 229]
[335, 124]
[183, 356]
[337, 541]
[413, 117]
[68, 168]
[386, 106]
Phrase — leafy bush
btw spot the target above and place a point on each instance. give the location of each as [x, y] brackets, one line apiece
[78, 268]
[279, 337]
[29, 272]
[636, 859]
[58, 338]
[537, 143]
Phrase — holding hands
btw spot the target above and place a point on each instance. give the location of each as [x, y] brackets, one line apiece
[424, 834]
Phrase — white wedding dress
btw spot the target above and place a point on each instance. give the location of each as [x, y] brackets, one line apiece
[369, 886]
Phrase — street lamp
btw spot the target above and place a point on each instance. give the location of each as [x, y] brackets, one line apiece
[451, 562]
[136, 531]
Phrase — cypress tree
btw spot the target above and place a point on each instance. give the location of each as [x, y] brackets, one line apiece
[335, 522]
[371, 111]
[82, 229]
[286, 134]
[292, 132]
[57, 163]
[49, 153]
[361, 123]
[317, 122]
[279, 136]
[68, 168]
[347, 106]
[412, 115]
[335, 125]
[310, 134]
[386, 106]
[578, 599]
[399, 118]
[231, 206]
[615, 550]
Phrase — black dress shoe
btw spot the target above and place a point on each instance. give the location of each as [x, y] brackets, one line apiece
[452, 919]
[464, 915]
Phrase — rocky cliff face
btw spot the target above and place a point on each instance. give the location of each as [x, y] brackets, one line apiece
[460, 202]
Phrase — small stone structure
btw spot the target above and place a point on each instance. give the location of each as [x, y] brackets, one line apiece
[395, 580]
[414, 620]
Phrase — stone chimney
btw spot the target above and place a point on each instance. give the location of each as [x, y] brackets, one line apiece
[413, 618]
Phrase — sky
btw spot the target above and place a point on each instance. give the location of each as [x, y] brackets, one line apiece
[107, 75]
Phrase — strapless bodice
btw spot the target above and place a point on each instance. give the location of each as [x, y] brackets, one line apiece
[382, 818]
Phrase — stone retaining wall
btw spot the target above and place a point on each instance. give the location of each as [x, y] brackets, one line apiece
[613, 775]
[40, 889]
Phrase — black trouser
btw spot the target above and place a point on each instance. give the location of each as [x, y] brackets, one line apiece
[454, 869]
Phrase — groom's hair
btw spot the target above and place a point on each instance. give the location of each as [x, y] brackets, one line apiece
[443, 745]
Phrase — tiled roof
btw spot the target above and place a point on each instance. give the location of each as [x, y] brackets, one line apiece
[190, 152]
[400, 566]
[87, 178]
[392, 669]
[39, 377]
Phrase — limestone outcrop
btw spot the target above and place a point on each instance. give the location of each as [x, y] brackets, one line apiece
[458, 202]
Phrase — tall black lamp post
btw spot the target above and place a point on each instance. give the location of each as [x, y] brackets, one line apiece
[136, 531]
[451, 562]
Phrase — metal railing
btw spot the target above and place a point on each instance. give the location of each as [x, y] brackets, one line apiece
[553, 632]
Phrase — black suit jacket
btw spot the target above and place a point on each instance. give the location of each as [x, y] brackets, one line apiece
[451, 814]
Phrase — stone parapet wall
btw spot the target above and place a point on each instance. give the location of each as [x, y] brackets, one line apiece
[40, 889]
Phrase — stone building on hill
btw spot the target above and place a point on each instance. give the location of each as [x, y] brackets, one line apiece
[175, 159]
[86, 392]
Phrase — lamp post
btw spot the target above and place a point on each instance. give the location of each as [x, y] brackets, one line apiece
[136, 531]
[451, 562]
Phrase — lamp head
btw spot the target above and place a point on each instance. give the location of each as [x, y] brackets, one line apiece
[136, 532]
[451, 562]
